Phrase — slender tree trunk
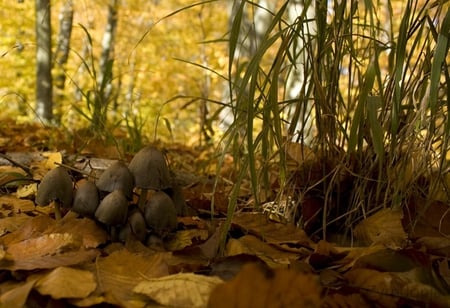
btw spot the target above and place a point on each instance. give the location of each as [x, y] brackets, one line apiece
[254, 24]
[104, 78]
[62, 52]
[44, 104]
[301, 15]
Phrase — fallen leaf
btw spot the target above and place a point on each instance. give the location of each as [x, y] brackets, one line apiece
[345, 300]
[48, 244]
[374, 285]
[257, 286]
[437, 245]
[17, 296]
[54, 159]
[32, 228]
[11, 224]
[274, 233]
[15, 205]
[27, 191]
[249, 244]
[227, 268]
[66, 282]
[186, 238]
[299, 152]
[179, 290]
[121, 271]
[384, 227]
[91, 234]
[47, 251]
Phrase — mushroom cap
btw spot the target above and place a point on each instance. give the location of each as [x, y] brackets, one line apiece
[117, 176]
[113, 209]
[86, 199]
[137, 224]
[160, 214]
[56, 185]
[150, 170]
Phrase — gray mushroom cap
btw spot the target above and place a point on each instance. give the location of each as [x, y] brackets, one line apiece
[86, 199]
[56, 185]
[150, 170]
[137, 224]
[113, 209]
[117, 176]
[160, 214]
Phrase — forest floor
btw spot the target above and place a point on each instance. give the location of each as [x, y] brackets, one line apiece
[263, 262]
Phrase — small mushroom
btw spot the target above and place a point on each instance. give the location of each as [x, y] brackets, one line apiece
[112, 211]
[150, 172]
[86, 199]
[56, 187]
[137, 224]
[160, 214]
[117, 176]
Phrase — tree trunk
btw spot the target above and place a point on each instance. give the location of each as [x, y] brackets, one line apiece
[44, 104]
[252, 28]
[104, 78]
[62, 51]
[301, 16]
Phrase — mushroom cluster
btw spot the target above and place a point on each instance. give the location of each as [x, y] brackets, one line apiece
[110, 199]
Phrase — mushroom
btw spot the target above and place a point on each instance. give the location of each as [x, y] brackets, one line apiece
[112, 211]
[117, 176]
[56, 188]
[137, 225]
[160, 214]
[86, 199]
[150, 172]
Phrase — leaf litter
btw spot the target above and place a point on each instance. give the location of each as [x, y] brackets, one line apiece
[265, 263]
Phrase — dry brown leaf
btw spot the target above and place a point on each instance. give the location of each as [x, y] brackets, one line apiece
[393, 289]
[354, 253]
[11, 224]
[249, 244]
[256, 286]
[27, 191]
[179, 290]
[54, 159]
[15, 205]
[92, 234]
[17, 296]
[299, 152]
[374, 285]
[186, 238]
[273, 233]
[66, 282]
[336, 300]
[384, 227]
[47, 251]
[32, 228]
[436, 245]
[417, 285]
[120, 272]
[48, 244]
[48, 161]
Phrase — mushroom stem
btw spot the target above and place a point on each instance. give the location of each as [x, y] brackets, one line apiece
[114, 233]
[142, 199]
[57, 210]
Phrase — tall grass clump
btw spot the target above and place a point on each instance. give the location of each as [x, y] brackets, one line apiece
[374, 92]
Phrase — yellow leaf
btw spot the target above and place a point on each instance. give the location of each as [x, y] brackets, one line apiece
[66, 282]
[179, 290]
[53, 160]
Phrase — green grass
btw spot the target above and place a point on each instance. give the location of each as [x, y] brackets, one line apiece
[380, 129]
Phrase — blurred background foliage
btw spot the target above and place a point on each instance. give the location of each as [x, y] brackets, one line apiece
[149, 69]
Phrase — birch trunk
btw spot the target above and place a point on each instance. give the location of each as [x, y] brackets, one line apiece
[44, 103]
